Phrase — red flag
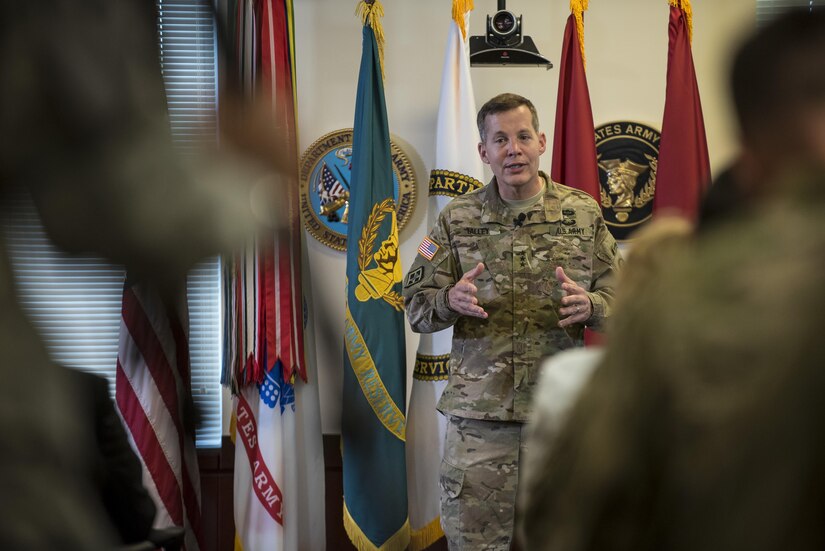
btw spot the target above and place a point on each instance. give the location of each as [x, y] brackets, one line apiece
[272, 312]
[282, 259]
[574, 141]
[152, 386]
[684, 168]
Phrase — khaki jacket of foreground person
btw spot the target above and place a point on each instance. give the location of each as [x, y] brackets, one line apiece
[704, 428]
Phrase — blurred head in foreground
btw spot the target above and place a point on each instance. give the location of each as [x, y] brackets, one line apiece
[778, 88]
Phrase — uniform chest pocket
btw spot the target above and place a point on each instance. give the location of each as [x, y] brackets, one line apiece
[486, 249]
[574, 253]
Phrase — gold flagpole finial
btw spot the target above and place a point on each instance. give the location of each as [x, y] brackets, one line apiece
[686, 8]
[460, 9]
[371, 12]
[577, 8]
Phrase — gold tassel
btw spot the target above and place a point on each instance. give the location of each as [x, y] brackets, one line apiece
[460, 9]
[686, 8]
[578, 7]
[371, 12]
[425, 537]
[397, 542]
[233, 427]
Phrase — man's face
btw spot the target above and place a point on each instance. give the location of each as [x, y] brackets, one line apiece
[512, 149]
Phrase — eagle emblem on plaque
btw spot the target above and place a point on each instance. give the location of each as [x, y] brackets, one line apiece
[627, 154]
[325, 171]
[333, 188]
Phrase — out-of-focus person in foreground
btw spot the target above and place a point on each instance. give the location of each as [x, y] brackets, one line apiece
[703, 428]
[564, 375]
[84, 130]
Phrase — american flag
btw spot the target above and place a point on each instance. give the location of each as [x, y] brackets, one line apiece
[329, 188]
[428, 248]
[152, 390]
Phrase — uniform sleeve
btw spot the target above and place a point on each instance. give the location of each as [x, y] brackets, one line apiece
[607, 261]
[431, 276]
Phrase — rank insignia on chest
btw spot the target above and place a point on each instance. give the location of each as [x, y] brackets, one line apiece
[568, 217]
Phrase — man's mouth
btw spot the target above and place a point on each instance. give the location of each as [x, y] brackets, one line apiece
[514, 166]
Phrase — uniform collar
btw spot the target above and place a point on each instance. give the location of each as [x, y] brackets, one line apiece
[495, 210]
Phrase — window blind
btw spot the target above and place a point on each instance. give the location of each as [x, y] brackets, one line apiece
[75, 302]
[768, 9]
[188, 58]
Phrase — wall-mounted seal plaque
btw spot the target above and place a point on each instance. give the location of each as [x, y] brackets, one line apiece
[628, 155]
[326, 167]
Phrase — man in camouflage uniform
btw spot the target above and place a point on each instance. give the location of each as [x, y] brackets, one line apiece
[518, 267]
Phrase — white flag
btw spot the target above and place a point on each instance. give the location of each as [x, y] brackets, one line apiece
[263, 415]
[458, 169]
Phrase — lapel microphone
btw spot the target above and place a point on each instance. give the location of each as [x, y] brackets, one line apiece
[517, 222]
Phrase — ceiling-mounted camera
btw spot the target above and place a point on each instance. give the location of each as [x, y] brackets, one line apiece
[504, 44]
[504, 29]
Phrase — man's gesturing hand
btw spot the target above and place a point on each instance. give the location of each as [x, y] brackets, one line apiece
[462, 296]
[575, 304]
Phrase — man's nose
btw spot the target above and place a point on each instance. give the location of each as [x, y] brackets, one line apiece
[513, 147]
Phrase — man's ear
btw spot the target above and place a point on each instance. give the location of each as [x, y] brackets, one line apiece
[542, 143]
[482, 152]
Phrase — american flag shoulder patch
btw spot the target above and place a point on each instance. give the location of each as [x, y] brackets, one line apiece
[428, 248]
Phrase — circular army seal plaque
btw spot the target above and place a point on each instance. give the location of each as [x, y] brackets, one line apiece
[628, 154]
[326, 167]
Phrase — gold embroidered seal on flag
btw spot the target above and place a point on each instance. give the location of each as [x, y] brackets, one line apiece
[325, 172]
[627, 154]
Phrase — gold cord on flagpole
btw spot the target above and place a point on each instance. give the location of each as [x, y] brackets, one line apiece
[686, 8]
[578, 7]
[371, 12]
[460, 9]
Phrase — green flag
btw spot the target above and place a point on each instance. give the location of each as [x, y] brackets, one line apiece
[373, 424]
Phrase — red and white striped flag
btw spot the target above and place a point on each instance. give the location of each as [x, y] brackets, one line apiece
[152, 389]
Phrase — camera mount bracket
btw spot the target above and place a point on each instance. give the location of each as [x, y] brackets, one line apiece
[504, 45]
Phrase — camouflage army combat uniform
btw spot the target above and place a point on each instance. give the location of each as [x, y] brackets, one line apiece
[494, 361]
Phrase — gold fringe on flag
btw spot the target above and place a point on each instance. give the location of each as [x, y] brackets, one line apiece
[371, 12]
[397, 542]
[684, 5]
[578, 7]
[460, 9]
[425, 537]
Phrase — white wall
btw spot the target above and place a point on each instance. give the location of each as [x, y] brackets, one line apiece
[626, 48]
